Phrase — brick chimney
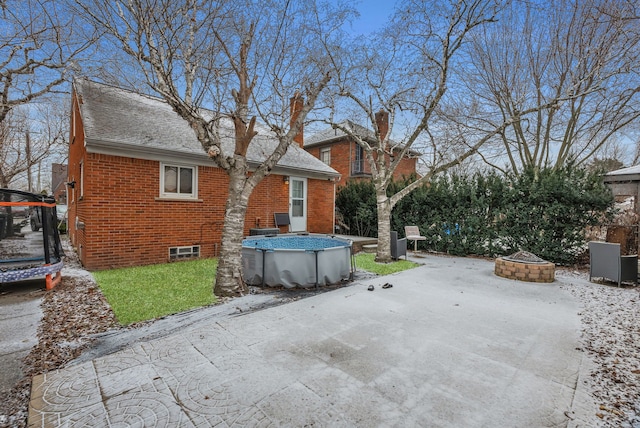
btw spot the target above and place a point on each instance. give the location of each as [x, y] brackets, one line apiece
[297, 103]
[382, 121]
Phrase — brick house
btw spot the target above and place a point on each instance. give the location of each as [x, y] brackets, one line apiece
[58, 182]
[143, 191]
[342, 153]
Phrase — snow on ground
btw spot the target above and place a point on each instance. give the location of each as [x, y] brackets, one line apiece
[611, 338]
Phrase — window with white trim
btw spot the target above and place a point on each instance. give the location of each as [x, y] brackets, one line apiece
[177, 181]
[325, 155]
[81, 179]
[73, 124]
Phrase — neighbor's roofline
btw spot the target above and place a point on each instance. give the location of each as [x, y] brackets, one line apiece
[338, 138]
[631, 173]
[332, 140]
[621, 178]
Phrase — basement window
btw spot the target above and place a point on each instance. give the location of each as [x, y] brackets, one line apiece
[178, 253]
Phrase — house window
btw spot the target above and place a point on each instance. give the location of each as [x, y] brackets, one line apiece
[177, 253]
[73, 126]
[81, 180]
[357, 166]
[325, 155]
[178, 181]
[297, 198]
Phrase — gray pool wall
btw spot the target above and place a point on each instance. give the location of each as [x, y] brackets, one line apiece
[291, 268]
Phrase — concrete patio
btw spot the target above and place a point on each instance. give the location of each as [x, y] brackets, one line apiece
[450, 344]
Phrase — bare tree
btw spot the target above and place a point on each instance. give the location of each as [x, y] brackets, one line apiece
[30, 136]
[574, 66]
[27, 143]
[406, 75]
[222, 65]
[39, 47]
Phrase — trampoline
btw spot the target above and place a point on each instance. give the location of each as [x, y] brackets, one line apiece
[28, 252]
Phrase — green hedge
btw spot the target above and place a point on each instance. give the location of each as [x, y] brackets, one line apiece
[544, 212]
[356, 202]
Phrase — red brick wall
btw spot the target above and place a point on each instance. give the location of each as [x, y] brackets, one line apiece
[344, 152]
[127, 225]
[76, 156]
[320, 206]
[270, 196]
[406, 167]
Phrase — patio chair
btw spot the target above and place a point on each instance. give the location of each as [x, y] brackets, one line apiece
[282, 219]
[398, 246]
[412, 233]
[606, 262]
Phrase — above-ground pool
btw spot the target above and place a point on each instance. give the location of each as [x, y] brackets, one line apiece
[296, 260]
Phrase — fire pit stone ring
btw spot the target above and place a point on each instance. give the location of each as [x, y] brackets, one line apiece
[524, 266]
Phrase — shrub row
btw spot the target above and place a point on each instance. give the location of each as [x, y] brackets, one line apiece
[544, 212]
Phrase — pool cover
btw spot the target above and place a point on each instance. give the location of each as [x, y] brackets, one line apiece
[296, 261]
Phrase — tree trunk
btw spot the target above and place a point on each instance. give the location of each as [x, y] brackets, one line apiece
[383, 253]
[229, 279]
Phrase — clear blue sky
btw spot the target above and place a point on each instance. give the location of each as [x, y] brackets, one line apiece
[373, 15]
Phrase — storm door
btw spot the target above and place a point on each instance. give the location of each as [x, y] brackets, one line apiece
[298, 204]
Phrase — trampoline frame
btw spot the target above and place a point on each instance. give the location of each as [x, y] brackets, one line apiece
[52, 263]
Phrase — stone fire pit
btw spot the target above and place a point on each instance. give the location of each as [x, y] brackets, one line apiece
[524, 266]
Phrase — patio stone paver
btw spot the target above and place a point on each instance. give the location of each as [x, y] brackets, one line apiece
[449, 345]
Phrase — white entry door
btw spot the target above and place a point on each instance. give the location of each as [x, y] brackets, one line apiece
[298, 204]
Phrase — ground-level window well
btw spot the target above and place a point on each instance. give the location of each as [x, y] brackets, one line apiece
[176, 253]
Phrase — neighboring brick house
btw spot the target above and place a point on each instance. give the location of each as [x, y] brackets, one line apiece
[142, 190]
[58, 182]
[342, 153]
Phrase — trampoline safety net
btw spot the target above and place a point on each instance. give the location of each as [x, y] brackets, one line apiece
[29, 240]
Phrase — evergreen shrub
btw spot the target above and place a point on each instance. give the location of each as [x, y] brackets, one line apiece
[356, 203]
[545, 212]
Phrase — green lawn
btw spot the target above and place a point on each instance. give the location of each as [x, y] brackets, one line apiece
[148, 292]
[366, 261]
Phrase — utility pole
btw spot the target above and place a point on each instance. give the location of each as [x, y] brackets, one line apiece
[39, 183]
[28, 155]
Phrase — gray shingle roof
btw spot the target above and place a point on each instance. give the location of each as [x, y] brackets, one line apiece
[631, 173]
[624, 171]
[330, 135]
[119, 121]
